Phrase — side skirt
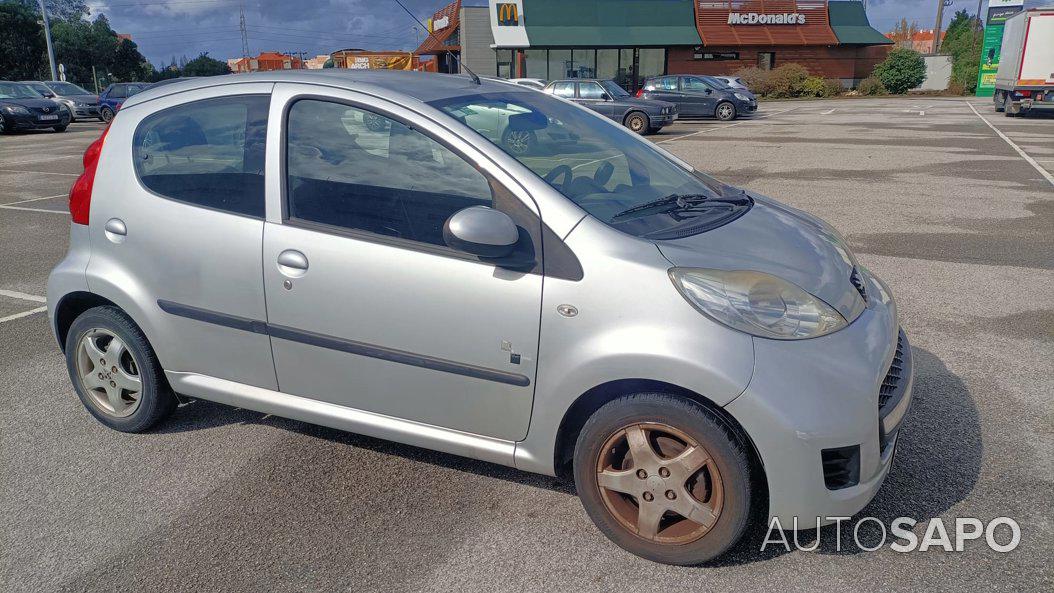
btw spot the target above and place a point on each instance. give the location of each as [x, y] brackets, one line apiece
[343, 418]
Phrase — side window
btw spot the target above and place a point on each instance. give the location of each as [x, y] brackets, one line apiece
[692, 83]
[208, 153]
[118, 92]
[564, 89]
[355, 169]
[668, 83]
[590, 90]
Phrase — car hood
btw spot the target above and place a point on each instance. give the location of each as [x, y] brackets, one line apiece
[31, 103]
[89, 99]
[778, 240]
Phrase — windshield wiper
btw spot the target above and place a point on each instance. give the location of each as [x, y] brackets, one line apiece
[673, 200]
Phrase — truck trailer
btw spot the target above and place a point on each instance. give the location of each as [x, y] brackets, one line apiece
[1025, 78]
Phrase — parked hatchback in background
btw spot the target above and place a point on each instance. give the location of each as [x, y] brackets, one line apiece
[80, 102]
[22, 108]
[687, 350]
[643, 116]
[532, 83]
[734, 82]
[700, 96]
[111, 99]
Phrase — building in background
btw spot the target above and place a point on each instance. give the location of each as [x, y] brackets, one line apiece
[921, 40]
[360, 59]
[266, 61]
[316, 63]
[629, 40]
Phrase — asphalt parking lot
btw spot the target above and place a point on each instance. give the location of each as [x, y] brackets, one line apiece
[930, 195]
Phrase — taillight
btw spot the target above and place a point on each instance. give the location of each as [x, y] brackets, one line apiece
[80, 193]
[1025, 93]
[118, 106]
[640, 93]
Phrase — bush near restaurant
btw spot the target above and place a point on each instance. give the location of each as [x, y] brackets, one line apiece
[756, 79]
[871, 86]
[903, 69]
[814, 86]
[787, 81]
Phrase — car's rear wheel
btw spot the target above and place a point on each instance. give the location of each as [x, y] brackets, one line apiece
[60, 128]
[998, 103]
[519, 142]
[664, 478]
[637, 122]
[725, 111]
[115, 372]
[106, 114]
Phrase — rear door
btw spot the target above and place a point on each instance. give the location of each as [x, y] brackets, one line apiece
[665, 88]
[186, 192]
[367, 307]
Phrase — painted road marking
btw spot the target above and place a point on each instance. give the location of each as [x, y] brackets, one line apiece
[23, 314]
[4, 207]
[828, 112]
[40, 172]
[21, 295]
[1046, 174]
[35, 200]
[746, 121]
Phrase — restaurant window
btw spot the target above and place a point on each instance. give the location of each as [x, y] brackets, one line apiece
[504, 57]
[626, 68]
[583, 63]
[559, 64]
[607, 64]
[650, 62]
[766, 60]
[537, 63]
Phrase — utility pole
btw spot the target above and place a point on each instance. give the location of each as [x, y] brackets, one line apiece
[245, 35]
[979, 2]
[47, 36]
[940, 23]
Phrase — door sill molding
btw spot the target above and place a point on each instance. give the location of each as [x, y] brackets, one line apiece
[343, 418]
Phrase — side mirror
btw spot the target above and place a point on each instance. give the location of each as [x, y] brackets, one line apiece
[709, 92]
[605, 96]
[49, 95]
[481, 231]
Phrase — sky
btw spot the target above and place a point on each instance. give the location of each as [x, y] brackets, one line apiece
[164, 29]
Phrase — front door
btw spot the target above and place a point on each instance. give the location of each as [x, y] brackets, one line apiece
[592, 95]
[366, 305]
[698, 96]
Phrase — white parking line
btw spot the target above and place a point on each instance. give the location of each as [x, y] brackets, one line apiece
[828, 112]
[46, 159]
[746, 121]
[40, 172]
[3, 207]
[1046, 174]
[34, 200]
[23, 314]
[21, 295]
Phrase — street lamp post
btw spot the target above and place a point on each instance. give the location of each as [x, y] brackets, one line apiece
[47, 36]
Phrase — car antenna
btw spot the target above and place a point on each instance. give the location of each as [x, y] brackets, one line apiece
[457, 58]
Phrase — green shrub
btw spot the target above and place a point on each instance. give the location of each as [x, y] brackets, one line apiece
[871, 86]
[814, 86]
[756, 79]
[834, 87]
[902, 70]
[788, 81]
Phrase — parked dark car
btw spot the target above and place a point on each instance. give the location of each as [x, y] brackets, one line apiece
[700, 96]
[81, 103]
[110, 100]
[22, 108]
[642, 115]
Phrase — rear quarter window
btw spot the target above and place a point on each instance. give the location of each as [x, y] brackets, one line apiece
[208, 153]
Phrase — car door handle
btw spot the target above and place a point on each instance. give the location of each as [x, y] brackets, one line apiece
[292, 263]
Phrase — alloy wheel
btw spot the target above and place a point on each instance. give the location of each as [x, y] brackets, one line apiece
[109, 373]
[725, 111]
[659, 483]
[518, 141]
[637, 123]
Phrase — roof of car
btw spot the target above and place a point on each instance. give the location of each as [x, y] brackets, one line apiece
[422, 86]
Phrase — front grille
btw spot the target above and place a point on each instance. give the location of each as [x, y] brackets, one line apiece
[858, 283]
[841, 467]
[893, 377]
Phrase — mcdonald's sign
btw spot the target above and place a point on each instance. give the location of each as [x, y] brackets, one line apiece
[508, 14]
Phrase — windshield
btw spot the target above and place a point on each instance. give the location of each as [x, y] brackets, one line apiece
[14, 90]
[67, 88]
[611, 173]
[614, 90]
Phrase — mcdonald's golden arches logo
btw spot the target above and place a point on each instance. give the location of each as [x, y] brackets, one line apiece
[508, 14]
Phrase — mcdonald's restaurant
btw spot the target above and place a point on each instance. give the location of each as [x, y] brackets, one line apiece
[630, 40]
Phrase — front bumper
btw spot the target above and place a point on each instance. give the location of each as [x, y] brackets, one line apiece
[808, 397]
[33, 121]
[665, 119]
[87, 111]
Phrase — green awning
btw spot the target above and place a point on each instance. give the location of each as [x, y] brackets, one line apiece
[610, 23]
[850, 24]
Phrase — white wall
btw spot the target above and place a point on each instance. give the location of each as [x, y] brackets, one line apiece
[476, 39]
[938, 73]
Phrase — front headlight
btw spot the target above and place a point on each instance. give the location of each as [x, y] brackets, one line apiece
[741, 97]
[16, 110]
[757, 303]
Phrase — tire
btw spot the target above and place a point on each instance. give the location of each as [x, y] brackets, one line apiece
[666, 423]
[60, 128]
[1008, 107]
[3, 126]
[998, 103]
[725, 111]
[134, 411]
[637, 122]
[106, 114]
[519, 143]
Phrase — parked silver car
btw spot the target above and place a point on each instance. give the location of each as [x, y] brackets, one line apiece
[78, 101]
[686, 350]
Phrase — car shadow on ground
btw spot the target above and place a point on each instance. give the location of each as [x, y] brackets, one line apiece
[939, 444]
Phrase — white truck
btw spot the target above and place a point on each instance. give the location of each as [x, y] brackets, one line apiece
[1025, 79]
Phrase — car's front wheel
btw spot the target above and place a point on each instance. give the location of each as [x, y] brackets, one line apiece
[664, 478]
[60, 128]
[726, 111]
[106, 114]
[115, 372]
[637, 122]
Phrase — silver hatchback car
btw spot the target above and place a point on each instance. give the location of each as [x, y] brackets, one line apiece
[697, 357]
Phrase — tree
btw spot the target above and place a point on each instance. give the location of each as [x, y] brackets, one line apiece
[203, 65]
[23, 51]
[902, 70]
[963, 42]
[63, 10]
[80, 45]
[903, 34]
